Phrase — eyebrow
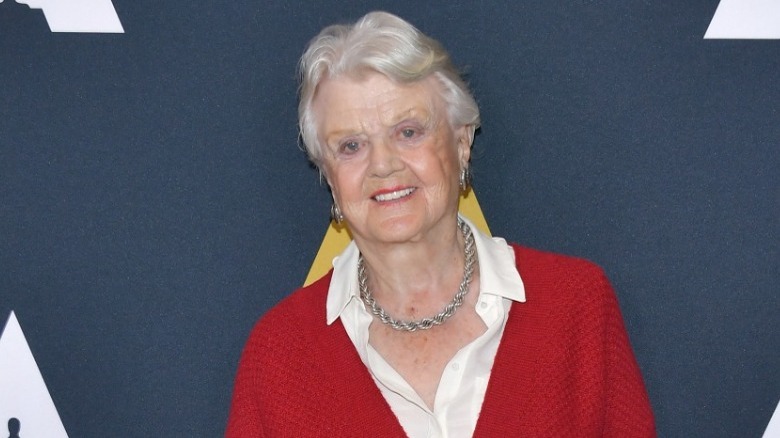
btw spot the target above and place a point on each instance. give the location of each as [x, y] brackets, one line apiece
[330, 136]
[425, 114]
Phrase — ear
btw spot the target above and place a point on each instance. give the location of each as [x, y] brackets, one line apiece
[465, 138]
[324, 179]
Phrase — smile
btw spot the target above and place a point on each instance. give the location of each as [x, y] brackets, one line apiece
[392, 196]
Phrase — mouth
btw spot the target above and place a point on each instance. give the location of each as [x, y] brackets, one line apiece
[393, 195]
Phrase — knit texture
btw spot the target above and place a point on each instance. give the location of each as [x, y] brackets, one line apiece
[564, 367]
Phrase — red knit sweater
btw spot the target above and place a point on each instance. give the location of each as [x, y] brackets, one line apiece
[564, 367]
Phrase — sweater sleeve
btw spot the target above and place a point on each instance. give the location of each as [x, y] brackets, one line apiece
[244, 420]
[565, 367]
[628, 412]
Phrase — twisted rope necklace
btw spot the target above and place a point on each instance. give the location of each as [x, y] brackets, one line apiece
[470, 253]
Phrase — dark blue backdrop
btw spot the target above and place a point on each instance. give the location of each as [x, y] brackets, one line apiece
[154, 203]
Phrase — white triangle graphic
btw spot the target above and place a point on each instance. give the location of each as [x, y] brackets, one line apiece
[87, 16]
[773, 429]
[745, 19]
[23, 394]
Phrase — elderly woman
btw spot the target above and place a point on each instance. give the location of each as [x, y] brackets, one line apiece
[426, 327]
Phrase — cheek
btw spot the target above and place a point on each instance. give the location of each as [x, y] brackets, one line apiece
[440, 177]
[446, 166]
[347, 184]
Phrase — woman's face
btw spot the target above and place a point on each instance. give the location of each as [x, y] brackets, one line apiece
[391, 157]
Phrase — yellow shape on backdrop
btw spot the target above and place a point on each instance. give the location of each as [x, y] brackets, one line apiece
[337, 237]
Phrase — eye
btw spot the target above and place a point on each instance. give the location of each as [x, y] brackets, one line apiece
[410, 132]
[349, 146]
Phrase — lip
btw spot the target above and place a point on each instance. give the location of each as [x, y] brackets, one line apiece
[399, 190]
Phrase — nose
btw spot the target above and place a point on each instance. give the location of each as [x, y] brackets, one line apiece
[384, 158]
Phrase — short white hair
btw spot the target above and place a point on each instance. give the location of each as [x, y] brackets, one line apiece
[386, 44]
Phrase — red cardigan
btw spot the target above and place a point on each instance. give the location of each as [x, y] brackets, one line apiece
[564, 367]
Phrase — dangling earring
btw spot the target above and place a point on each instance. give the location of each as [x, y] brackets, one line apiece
[465, 179]
[335, 213]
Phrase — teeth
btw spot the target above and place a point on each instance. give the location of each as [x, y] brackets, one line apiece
[394, 195]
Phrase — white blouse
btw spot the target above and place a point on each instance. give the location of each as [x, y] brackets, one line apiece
[464, 381]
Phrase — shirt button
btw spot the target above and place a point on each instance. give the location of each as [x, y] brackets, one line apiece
[455, 366]
[483, 305]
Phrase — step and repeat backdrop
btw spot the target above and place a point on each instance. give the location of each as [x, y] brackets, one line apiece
[154, 201]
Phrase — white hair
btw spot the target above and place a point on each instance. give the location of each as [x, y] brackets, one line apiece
[386, 44]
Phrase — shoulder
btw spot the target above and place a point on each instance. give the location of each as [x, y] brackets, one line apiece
[300, 315]
[562, 281]
[306, 302]
[542, 266]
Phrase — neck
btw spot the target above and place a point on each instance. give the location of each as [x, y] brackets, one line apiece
[416, 279]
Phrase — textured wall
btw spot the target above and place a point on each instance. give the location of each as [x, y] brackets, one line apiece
[154, 203]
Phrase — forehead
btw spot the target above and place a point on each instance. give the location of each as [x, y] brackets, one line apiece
[372, 100]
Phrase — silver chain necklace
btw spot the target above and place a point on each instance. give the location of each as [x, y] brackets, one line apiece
[470, 253]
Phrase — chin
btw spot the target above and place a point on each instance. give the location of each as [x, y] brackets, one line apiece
[401, 229]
